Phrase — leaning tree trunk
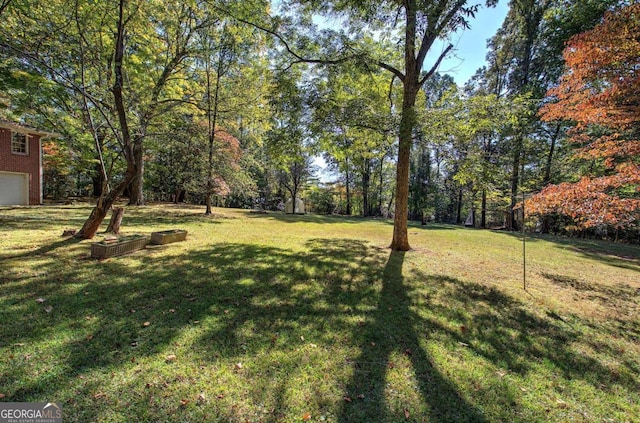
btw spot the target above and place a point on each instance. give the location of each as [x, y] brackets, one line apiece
[99, 212]
[116, 220]
[105, 203]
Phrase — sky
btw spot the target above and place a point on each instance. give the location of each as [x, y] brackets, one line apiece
[470, 46]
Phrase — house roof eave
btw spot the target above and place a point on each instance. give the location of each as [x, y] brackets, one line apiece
[23, 129]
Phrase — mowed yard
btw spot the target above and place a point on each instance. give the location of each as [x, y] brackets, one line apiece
[276, 318]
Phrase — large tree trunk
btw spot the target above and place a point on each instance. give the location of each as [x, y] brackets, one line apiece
[348, 186]
[98, 181]
[381, 185]
[515, 181]
[459, 208]
[366, 178]
[483, 212]
[136, 193]
[400, 240]
[547, 169]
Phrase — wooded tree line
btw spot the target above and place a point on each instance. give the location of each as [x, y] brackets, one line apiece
[232, 102]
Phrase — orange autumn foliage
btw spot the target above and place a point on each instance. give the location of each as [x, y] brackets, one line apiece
[600, 94]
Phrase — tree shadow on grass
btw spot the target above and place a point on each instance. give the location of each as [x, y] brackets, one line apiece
[45, 249]
[237, 303]
[228, 285]
[394, 329]
[624, 256]
[623, 300]
[501, 330]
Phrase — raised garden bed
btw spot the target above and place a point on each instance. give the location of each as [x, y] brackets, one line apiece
[166, 237]
[118, 246]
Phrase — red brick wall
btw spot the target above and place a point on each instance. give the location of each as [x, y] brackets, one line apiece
[23, 164]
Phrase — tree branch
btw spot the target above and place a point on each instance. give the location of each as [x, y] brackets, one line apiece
[4, 5]
[394, 71]
[431, 33]
[436, 65]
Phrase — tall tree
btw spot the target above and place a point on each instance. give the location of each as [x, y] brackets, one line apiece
[287, 140]
[90, 226]
[599, 93]
[163, 41]
[353, 121]
[422, 23]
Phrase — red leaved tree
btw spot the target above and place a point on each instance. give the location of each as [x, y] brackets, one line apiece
[600, 93]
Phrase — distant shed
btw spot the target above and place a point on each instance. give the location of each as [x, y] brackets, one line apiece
[299, 209]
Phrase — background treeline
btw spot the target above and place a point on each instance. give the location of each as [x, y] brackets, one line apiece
[219, 110]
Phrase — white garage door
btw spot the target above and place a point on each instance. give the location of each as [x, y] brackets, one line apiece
[14, 189]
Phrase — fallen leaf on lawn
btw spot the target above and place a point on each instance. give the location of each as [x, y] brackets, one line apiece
[238, 366]
[406, 414]
[40, 300]
[201, 397]
[48, 309]
[373, 344]
[134, 344]
[171, 357]
[184, 402]
[220, 396]
[89, 337]
[99, 395]
[463, 329]
[361, 396]
[306, 417]
[172, 310]
[347, 399]
[313, 345]
[132, 311]
[408, 352]
[146, 324]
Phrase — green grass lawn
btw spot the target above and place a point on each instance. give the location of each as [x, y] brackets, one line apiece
[275, 318]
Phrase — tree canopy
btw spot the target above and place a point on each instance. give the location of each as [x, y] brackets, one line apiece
[598, 93]
[232, 103]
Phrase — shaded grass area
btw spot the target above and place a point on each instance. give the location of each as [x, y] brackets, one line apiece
[249, 321]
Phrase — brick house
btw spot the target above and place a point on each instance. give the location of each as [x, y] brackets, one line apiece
[21, 164]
